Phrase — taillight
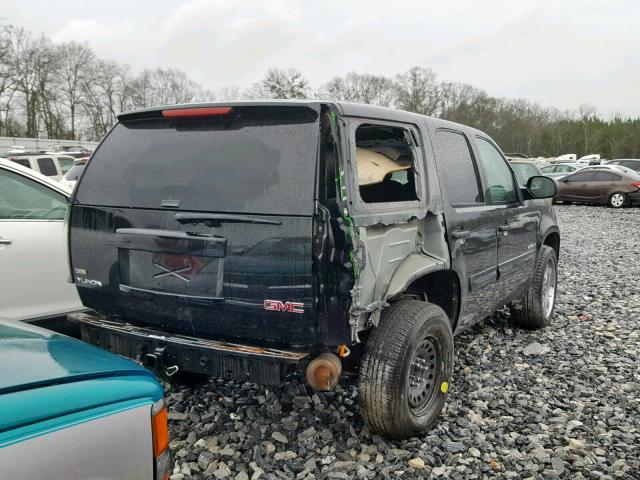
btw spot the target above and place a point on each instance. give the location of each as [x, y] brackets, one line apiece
[160, 436]
[196, 112]
[636, 184]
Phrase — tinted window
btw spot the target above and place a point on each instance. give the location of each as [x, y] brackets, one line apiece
[635, 165]
[65, 163]
[581, 177]
[47, 167]
[457, 168]
[22, 161]
[385, 162]
[605, 177]
[22, 198]
[74, 173]
[500, 185]
[255, 159]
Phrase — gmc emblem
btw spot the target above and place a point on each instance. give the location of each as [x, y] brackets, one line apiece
[278, 306]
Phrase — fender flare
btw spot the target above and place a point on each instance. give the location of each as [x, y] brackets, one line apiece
[548, 231]
[412, 267]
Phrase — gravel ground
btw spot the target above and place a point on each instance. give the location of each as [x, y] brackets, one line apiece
[558, 403]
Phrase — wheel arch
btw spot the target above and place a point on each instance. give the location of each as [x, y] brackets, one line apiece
[552, 239]
[426, 275]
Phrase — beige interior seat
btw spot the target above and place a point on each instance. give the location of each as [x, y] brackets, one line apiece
[373, 167]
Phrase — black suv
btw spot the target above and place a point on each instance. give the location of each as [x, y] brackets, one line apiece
[246, 240]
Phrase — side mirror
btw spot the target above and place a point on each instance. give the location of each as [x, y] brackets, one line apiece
[541, 187]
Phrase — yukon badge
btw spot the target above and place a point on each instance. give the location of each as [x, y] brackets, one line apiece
[279, 306]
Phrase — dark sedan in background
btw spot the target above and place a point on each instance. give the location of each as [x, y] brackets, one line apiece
[632, 163]
[596, 185]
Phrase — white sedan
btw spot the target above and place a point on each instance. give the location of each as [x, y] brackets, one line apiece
[33, 246]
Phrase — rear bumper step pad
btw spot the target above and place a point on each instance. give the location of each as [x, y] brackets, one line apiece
[159, 350]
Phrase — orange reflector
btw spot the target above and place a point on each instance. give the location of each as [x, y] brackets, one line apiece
[196, 112]
[160, 432]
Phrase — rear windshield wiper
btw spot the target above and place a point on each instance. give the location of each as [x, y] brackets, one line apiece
[215, 219]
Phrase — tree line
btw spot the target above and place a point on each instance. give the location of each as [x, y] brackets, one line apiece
[63, 90]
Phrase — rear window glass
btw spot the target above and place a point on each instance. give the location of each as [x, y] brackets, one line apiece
[253, 160]
[47, 167]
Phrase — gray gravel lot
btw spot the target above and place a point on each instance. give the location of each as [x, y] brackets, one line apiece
[558, 403]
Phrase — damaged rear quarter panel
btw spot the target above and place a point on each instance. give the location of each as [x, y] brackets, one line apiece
[393, 243]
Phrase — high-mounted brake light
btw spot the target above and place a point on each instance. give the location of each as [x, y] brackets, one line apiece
[196, 112]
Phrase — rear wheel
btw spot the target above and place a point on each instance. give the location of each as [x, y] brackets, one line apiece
[406, 367]
[617, 200]
[538, 303]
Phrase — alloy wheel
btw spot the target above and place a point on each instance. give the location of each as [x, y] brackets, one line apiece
[549, 280]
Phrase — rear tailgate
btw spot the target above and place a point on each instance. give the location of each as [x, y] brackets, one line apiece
[202, 225]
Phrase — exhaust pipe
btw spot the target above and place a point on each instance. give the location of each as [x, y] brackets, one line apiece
[324, 371]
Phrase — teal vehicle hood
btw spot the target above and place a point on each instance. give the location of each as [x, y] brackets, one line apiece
[32, 357]
[51, 381]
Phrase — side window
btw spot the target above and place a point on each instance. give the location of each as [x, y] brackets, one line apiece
[605, 177]
[581, 177]
[24, 199]
[500, 185]
[562, 169]
[22, 161]
[458, 170]
[65, 164]
[47, 167]
[329, 154]
[385, 161]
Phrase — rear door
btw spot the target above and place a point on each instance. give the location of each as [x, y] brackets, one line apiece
[203, 222]
[471, 223]
[603, 184]
[33, 250]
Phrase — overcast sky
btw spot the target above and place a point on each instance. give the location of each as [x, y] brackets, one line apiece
[559, 53]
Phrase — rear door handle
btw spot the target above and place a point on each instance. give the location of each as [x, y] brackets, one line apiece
[5, 241]
[457, 234]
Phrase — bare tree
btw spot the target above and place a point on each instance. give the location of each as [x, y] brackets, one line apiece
[105, 94]
[280, 83]
[74, 62]
[229, 92]
[163, 87]
[362, 88]
[418, 91]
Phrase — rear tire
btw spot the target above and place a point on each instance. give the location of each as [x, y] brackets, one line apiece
[617, 200]
[406, 368]
[539, 301]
